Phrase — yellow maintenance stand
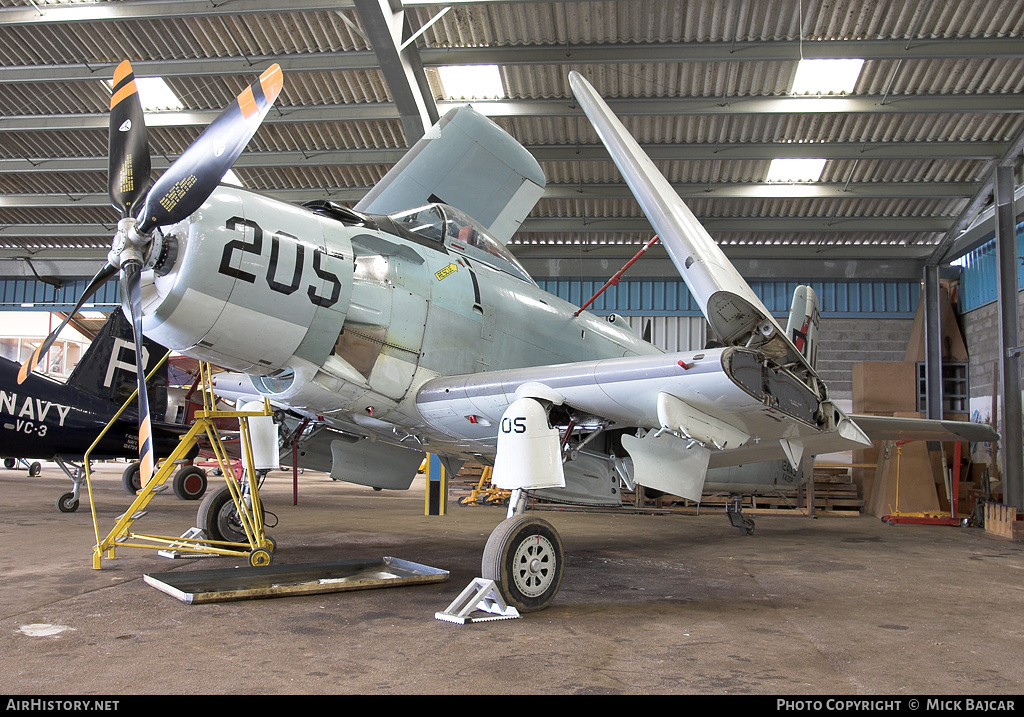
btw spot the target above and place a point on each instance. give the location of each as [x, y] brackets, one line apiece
[258, 547]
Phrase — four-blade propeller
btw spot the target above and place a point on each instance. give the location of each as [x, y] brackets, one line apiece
[179, 192]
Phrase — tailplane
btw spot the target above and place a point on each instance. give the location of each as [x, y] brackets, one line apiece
[107, 368]
[802, 329]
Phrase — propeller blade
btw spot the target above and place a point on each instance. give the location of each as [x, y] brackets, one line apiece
[37, 356]
[128, 148]
[195, 174]
[131, 300]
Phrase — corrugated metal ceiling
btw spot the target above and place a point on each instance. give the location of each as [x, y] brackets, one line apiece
[703, 85]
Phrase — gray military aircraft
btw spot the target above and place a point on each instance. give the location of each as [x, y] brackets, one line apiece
[404, 325]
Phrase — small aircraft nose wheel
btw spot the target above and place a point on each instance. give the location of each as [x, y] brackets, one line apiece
[260, 557]
[67, 503]
[525, 559]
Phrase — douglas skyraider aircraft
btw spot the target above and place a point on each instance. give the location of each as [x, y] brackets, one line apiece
[403, 326]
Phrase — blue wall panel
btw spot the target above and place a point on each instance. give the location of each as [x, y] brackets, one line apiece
[670, 297]
[32, 295]
[981, 274]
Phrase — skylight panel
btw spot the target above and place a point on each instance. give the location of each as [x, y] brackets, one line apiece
[795, 170]
[826, 77]
[471, 82]
[154, 94]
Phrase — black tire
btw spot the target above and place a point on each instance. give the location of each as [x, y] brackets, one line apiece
[525, 558]
[131, 479]
[9, 463]
[67, 503]
[218, 518]
[189, 483]
[35, 469]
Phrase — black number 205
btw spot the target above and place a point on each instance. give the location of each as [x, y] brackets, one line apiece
[254, 245]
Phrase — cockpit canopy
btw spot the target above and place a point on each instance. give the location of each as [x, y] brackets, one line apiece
[459, 232]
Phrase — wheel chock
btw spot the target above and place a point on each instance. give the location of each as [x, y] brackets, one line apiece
[482, 595]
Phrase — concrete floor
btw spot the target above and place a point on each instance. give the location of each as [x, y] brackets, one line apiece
[649, 604]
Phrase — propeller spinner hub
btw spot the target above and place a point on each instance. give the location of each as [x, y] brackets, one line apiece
[128, 244]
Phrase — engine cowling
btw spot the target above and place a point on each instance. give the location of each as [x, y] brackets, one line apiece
[248, 282]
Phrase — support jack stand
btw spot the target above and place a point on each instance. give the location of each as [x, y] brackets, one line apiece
[482, 595]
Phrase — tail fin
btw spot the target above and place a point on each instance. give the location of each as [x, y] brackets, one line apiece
[107, 368]
[802, 329]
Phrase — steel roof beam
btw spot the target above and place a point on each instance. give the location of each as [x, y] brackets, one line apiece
[607, 54]
[639, 106]
[566, 153]
[738, 190]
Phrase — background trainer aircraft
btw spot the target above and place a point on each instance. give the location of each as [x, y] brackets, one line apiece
[48, 420]
[403, 326]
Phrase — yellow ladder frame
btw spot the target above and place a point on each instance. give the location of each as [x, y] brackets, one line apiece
[258, 546]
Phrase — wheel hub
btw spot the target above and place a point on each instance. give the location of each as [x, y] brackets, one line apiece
[534, 565]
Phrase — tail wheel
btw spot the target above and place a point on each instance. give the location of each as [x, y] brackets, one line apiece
[189, 483]
[67, 503]
[525, 559]
[35, 469]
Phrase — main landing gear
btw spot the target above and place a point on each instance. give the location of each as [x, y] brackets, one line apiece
[525, 558]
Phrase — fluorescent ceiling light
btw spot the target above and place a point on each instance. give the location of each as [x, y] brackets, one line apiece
[154, 94]
[795, 170]
[466, 82]
[823, 77]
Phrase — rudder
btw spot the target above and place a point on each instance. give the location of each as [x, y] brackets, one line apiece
[802, 328]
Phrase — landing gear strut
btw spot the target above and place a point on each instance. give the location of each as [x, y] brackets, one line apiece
[525, 559]
[733, 509]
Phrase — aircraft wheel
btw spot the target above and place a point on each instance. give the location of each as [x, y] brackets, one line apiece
[35, 469]
[525, 559]
[9, 463]
[219, 519]
[67, 503]
[260, 557]
[189, 483]
[131, 479]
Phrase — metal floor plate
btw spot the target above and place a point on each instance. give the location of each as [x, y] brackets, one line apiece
[247, 583]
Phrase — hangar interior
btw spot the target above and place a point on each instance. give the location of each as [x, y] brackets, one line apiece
[903, 148]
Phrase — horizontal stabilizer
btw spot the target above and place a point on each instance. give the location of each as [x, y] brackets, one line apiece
[900, 428]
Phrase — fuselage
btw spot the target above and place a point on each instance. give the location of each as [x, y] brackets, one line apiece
[343, 317]
[42, 418]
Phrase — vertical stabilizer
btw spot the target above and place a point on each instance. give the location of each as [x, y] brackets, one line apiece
[107, 368]
[802, 328]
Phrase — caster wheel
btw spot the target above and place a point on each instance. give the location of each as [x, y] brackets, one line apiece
[260, 557]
